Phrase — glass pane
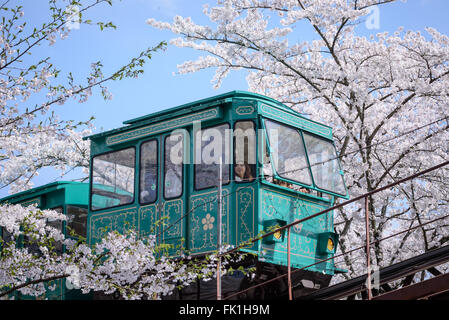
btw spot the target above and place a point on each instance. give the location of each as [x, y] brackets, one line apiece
[173, 164]
[287, 152]
[244, 151]
[6, 236]
[148, 171]
[32, 246]
[113, 179]
[324, 164]
[211, 144]
[267, 169]
[76, 221]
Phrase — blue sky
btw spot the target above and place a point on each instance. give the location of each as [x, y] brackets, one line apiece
[159, 88]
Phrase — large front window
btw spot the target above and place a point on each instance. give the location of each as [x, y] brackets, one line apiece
[113, 179]
[324, 164]
[315, 159]
[287, 152]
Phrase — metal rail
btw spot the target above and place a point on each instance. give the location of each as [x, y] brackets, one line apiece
[340, 255]
[402, 269]
[423, 290]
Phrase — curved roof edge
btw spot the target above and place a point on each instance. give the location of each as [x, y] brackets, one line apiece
[231, 94]
[188, 107]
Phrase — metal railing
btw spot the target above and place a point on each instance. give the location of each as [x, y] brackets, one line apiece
[367, 246]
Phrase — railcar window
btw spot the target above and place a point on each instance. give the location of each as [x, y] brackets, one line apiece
[211, 144]
[113, 179]
[148, 172]
[76, 220]
[57, 224]
[287, 151]
[244, 151]
[173, 165]
[324, 164]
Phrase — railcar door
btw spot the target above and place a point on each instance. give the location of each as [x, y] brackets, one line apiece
[149, 185]
[244, 181]
[172, 192]
[162, 196]
[209, 145]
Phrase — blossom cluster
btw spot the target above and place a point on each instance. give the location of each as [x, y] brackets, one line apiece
[124, 263]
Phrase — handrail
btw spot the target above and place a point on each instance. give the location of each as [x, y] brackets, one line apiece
[336, 207]
[364, 196]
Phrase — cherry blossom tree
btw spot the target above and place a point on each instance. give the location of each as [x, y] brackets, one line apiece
[386, 97]
[134, 267]
[31, 134]
[33, 137]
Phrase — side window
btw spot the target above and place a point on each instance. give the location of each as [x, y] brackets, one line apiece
[76, 220]
[288, 153]
[6, 236]
[173, 165]
[244, 151]
[148, 172]
[113, 179]
[211, 144]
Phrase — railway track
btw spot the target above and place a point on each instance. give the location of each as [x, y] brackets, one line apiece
[436, 287]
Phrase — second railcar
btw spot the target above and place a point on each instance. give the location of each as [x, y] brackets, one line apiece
[69, 198]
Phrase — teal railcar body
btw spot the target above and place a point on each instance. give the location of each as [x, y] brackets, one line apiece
[69, 198]
[278, 167]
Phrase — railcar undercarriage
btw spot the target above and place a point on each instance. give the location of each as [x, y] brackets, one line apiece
[250, 286]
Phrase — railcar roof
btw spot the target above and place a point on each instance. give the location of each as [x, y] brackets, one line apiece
[38, 191]
[191, 107]
[232, 94]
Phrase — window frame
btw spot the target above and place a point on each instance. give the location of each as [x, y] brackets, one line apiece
[338, 162]
[275, 173]
[91, 182]
[63, 227]
[194, 154]
[66, 223]
[312, 186]
[182, 169]
[157, 170]
[255, 151]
